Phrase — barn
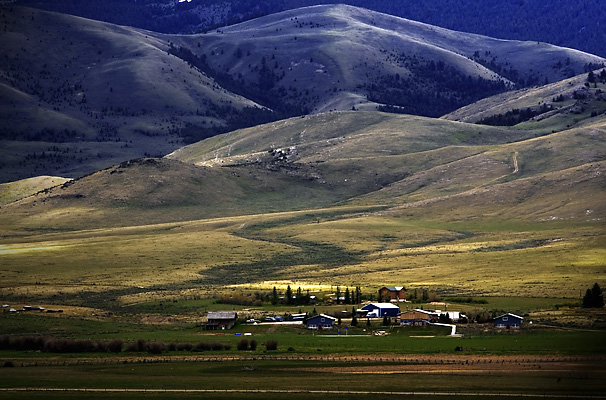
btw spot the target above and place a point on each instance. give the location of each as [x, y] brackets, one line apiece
[508, 321]
[221, 320]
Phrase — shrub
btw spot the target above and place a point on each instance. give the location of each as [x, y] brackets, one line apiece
[155, 347]
[242, 344]
[115, 345]
[184, 346]
[271, 344]
[137, 346]
[217, 346]
[8, 364]
[253, 345]
[201, 346]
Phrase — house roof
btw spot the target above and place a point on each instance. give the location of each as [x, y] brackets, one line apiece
[510, 314]
[380, 305]
[393, 288]
[222, 315]
[323, 316]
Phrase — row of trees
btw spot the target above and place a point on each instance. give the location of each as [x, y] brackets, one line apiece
[349, 296]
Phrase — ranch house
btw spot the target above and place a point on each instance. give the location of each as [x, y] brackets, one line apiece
[320, 322]
[392, 293]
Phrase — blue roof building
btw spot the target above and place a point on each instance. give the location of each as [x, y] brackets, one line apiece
[321, 321]
[508, 321]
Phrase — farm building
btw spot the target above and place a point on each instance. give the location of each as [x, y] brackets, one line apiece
[508, 321]
[321, 321]
[376, 310]
[392, 293]
[417, 317]
[221, 320]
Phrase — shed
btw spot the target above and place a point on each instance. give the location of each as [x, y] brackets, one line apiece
[378, 310]
[321, 321]
[392, 293]
[221, 320]
[508, 321]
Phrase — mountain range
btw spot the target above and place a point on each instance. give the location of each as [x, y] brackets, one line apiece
[79, 95]
[568, 23]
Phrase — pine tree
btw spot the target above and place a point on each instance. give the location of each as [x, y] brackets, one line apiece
[274, 296]
[288, 295]
[347, 299]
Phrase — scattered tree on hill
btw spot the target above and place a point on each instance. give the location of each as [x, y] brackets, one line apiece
[594, 298]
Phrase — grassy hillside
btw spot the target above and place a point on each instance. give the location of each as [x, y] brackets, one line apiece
[13, 191]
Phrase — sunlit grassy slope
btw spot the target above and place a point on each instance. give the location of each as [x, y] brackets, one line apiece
[348, 198]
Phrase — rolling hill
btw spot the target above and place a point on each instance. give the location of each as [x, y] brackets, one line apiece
[78, 95]
[335, 198]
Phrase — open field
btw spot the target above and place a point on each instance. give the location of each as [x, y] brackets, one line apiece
[330, 248]
[424, 377]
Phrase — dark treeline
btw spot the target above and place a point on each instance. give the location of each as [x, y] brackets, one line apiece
[450, 89]
[63, 345]
[569, 23]
[515, 116]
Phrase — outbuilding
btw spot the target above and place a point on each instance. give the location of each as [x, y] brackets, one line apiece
[321, 321]
[508, 321]
[378, 310]
[417, 317]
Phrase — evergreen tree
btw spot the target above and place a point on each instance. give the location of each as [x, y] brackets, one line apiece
[299, 296]
[354, 320]
[338, 294]
[288, 295]
[594, 298]
[347, 299]
[274, 296]
[385, 320]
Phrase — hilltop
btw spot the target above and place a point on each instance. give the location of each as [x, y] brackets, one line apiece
[533, 20]
[79, 95]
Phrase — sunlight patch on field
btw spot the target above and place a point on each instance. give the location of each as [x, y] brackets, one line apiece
[21, 248]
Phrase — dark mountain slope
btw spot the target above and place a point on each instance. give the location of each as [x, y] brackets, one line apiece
[79, 95]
